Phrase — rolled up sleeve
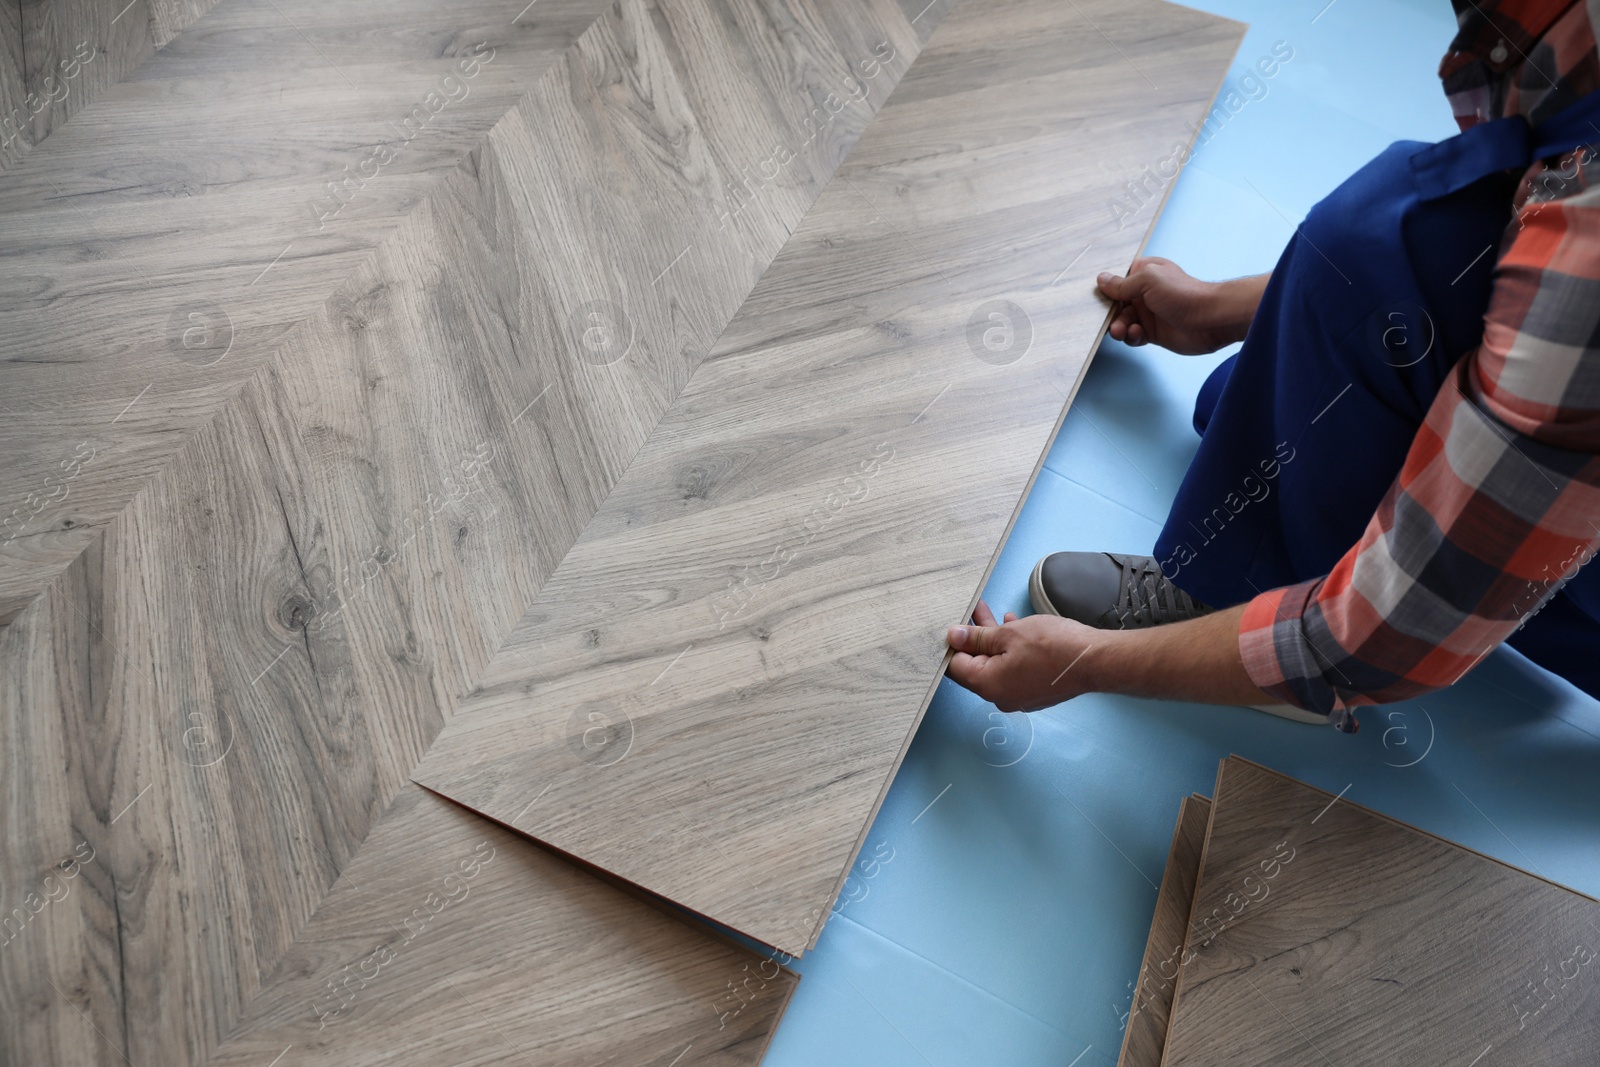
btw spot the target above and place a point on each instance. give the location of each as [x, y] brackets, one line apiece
[1496, 506]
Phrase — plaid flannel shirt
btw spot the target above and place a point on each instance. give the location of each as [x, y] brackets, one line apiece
[1498, 502]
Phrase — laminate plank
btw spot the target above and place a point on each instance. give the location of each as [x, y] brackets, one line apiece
[222, 689]
[78, 49]
[72, 50]
[1145, 1037]
[192, 215]
[1324, 931]
[12, 76]
[168, 18]
[222, 787]
[712, 690]
[453, 940]
[157, 248]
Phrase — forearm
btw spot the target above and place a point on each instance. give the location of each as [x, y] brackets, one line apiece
[1196, 661]
[1235, 306]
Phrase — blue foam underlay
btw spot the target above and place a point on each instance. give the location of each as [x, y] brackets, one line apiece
[1001, 903]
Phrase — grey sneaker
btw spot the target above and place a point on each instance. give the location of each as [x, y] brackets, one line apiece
[1109, 591]
[1116, 592]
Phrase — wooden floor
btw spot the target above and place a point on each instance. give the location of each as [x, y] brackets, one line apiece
[174, 232]
[337, 339]
[60, 54]
[16, 116]
[711, 691]
[289, 483]
[414, 957]
[1323, 932]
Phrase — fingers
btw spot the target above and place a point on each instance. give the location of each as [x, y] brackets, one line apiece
[1125, 325]
[983, 616]
[963, 670]
[1120, 322]
[1011, 616]
[1128, 287]
[969, 672]
[976, 640]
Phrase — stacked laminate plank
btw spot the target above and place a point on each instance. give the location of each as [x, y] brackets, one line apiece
[1145, 1033]
[1320, 931]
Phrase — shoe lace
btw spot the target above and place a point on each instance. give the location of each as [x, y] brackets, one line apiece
[1147, 598]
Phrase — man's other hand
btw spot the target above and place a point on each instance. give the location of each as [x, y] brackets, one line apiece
[1158, 303]
[1021, 664]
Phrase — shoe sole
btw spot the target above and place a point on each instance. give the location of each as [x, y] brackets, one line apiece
[1041, 603]
[1292, 713]
[1042, 606]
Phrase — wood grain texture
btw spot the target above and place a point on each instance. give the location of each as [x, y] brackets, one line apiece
[157, 248]
[165, 240]
[713, 688]
[78, 49]
[1323, 931]
[225, 682]
[12, 93]
[411, 959]
[1145, 1037]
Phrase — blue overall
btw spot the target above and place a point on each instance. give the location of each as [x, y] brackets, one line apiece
[1379, 293]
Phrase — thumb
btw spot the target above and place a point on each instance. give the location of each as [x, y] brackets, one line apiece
[1124, 288]
[976, 640]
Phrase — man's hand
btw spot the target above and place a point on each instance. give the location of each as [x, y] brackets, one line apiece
[1160, 304]
[1032, 663]
[1022, 665]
